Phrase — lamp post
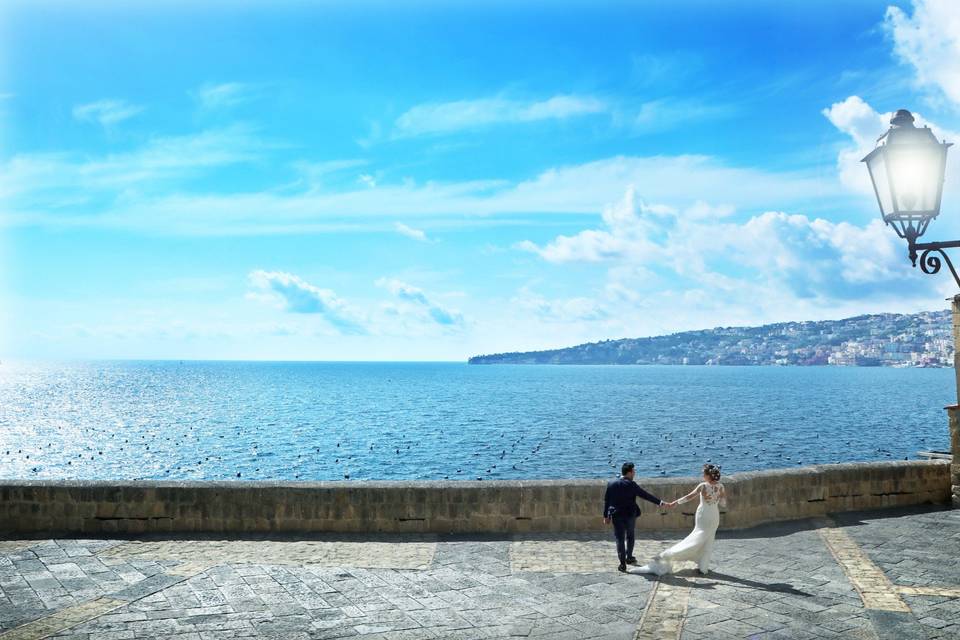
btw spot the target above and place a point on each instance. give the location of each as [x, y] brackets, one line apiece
[907, 170]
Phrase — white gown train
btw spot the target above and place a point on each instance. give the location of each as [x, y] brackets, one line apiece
[698, 546]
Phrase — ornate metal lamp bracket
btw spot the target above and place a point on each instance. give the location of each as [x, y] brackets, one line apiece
[930, 262]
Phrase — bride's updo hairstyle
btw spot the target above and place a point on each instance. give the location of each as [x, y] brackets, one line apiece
[712, 471]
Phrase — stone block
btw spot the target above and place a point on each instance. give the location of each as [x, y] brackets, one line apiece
[106, 509]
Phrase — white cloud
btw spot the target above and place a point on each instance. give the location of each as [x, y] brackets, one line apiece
[811, 258]
[106, 112]
[410, 232]
[815, 258]
[929, 40]
[632, 228]
[297, 296]
[447, 117]
[858, 120]
[408, 293]
[227, 94]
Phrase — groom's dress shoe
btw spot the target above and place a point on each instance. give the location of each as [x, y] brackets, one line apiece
[631, 560]
[622, 568]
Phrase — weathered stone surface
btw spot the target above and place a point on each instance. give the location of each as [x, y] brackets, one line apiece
[776, 581]
[451, 507]
[953, 413]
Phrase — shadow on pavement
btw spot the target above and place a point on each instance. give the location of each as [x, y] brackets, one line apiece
[711, 580]
[777, 587]
[843, 519]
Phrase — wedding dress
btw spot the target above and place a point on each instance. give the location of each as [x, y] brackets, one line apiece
[698, 546]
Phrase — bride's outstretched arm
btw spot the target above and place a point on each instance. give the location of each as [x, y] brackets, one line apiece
[690, 496]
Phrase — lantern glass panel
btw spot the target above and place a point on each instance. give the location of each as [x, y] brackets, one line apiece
[914, 172]
[877, 164]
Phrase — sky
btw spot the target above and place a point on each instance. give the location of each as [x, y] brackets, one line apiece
[429, 181]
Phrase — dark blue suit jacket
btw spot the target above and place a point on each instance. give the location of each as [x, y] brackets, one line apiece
[620, 499]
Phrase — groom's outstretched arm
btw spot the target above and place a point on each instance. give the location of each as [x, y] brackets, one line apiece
[606, 502]
[649, 497]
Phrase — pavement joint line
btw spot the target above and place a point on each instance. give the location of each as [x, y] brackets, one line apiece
[875, 589]
[665, 612]
[646, 609]
[947, 592]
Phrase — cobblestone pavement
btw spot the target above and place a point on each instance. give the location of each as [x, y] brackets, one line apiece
[878, 575]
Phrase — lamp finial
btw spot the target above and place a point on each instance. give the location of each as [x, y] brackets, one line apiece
[902, 118]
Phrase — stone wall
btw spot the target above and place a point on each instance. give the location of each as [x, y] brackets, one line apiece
[953, 412]
[440, 507]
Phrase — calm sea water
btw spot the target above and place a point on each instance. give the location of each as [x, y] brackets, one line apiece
[323, 421]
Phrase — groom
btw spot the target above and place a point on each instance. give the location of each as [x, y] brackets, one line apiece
[620, 507]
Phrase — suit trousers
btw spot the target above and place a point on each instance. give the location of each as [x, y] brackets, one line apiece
[623, 529]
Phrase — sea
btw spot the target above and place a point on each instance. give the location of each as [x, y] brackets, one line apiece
[172, 420]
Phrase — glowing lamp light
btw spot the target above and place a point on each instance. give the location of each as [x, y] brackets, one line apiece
[906, 169]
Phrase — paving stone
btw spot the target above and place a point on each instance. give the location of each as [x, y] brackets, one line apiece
[146, 587]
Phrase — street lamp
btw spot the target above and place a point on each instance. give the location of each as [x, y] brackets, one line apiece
[906, 169]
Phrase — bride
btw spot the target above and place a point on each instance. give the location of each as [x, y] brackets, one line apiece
[698, 546]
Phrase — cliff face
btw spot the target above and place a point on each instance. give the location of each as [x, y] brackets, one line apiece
[920, 339]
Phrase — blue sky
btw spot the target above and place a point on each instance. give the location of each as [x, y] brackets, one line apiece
[424, 181]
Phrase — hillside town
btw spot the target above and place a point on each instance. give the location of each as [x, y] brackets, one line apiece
[890, 340]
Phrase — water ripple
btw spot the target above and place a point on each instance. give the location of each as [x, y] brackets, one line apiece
[326, 421]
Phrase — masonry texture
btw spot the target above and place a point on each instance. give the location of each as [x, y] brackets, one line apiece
[954, 414]
[450, 507]
[881, 575]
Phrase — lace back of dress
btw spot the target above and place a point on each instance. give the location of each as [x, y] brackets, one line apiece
[712, 493]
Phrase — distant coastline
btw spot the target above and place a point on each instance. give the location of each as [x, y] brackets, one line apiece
[881, 340]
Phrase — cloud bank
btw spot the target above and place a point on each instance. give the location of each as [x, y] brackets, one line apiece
[929, 41]
[810, 258]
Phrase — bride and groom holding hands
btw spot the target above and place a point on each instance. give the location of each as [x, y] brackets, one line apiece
[620, 509]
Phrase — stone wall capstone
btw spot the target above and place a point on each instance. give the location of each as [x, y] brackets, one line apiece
[127, 507]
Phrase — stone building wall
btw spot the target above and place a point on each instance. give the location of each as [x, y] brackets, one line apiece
[441, 507]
